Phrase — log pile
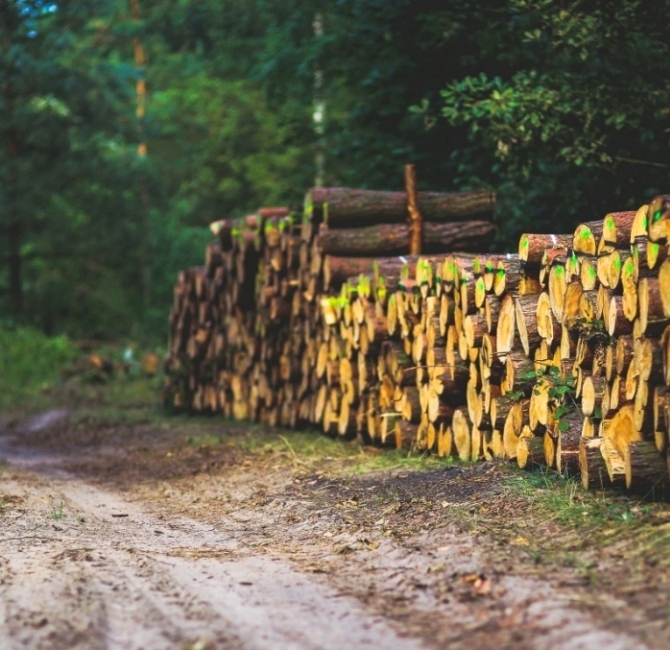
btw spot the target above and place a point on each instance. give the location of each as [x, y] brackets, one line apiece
[558, 355]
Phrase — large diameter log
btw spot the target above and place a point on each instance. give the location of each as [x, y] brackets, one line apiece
[646, 468]
[342, 207]
[620, 430]
[393, 239]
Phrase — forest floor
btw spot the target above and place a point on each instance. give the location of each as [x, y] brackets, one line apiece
[123, 527]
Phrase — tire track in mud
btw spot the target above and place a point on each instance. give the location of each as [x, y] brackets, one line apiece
[125, 579]
[115, 572]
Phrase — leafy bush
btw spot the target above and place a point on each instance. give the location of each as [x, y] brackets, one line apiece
[29, 361]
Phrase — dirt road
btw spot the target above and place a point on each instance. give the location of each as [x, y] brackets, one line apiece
[131, 536]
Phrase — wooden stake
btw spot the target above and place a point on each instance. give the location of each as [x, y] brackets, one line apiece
[414, 215]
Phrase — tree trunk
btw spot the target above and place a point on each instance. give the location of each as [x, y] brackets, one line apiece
[14, 230]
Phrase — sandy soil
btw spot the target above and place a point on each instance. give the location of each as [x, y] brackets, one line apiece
[128, 536]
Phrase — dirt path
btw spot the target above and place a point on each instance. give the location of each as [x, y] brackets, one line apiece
[102, 549]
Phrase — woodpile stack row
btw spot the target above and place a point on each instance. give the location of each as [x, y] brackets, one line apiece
[557, 355]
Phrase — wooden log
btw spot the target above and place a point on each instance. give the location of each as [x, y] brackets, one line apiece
[659, 218]
[462, 430]
[592, 466]
[530, 451]
[341, 207]
[393, 239]
[532, 247]
[586, 237]
[614, 462]
[568, 436]
[525, 310]
[646, 469]
[616, 231]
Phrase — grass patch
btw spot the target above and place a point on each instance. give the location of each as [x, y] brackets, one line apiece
[313, 451]
[565, 501]
[30, 362]
[59, 513]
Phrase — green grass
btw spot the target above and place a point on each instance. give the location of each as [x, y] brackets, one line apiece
[30, 362]
[59, 513]
[564, 499]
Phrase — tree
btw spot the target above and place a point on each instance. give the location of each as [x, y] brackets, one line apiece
[568, 113]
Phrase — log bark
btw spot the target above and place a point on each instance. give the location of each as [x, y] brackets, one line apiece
[393, 239]
[646, 469]
[345, 207]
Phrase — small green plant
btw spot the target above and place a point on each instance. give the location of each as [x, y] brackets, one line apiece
[593, 331]
[562, 393]
[59, 513]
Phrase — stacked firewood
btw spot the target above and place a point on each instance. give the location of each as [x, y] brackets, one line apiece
[557, 356]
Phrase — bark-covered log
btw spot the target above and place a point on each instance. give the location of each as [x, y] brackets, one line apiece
[393, 239]
[341, 207]
[646, 468]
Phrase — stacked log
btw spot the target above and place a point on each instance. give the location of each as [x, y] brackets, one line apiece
[557, 355]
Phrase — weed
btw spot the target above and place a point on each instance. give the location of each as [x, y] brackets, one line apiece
[59, 513]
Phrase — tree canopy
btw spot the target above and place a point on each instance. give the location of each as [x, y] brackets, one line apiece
[561, 107]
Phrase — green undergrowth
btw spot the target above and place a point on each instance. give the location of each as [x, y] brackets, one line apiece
[30, 363]
[552, 503]
[311, 451]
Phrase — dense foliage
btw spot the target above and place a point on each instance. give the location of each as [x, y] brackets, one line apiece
[560, 106]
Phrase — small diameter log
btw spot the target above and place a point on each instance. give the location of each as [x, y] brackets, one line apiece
[557, 286]
[659, 218]
[342, 207]
[640, 224]
[549, 446]
[614, 462]
[514, 424]
[507, 275]
[532, 247]
[616, 230]
[445, 439]
[547, 326]
[593, 389]
[530, 451]
[525, 309]
[592, 464]
[646, 469]
[506, 330]
[664, 281]
[404, 434]
[650, 306]
[462, 428]
[567, 445]
[586, 237]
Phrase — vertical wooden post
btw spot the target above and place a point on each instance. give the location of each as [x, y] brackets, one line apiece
[414, 215]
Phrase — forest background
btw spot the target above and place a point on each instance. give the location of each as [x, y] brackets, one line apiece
[561, 107]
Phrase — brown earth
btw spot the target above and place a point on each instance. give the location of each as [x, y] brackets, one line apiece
[130, 529]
